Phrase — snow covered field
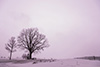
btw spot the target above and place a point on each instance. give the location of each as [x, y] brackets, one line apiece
[58, 63]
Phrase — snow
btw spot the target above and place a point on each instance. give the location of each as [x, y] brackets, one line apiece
[58, 63]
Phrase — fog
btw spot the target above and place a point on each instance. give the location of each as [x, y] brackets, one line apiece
[72, 27]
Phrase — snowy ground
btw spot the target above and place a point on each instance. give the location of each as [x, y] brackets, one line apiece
[58, 63]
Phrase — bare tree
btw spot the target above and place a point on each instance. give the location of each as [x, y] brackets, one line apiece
[10, 46]
[32, 40]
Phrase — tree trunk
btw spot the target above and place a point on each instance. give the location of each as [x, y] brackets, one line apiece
[10, 55]
[30, 55]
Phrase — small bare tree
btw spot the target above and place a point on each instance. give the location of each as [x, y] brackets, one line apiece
[32, 40]
[10, 46]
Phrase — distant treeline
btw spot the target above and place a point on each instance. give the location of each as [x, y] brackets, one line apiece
[89, 57]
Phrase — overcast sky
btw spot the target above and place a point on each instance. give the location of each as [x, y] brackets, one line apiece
[71, 26]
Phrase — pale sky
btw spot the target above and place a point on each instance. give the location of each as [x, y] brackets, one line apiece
[71, 26]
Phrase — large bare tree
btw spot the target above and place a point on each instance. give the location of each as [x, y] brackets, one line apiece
[32, 40]
[10, 46]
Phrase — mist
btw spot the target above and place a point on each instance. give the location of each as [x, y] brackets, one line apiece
[71, 27]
